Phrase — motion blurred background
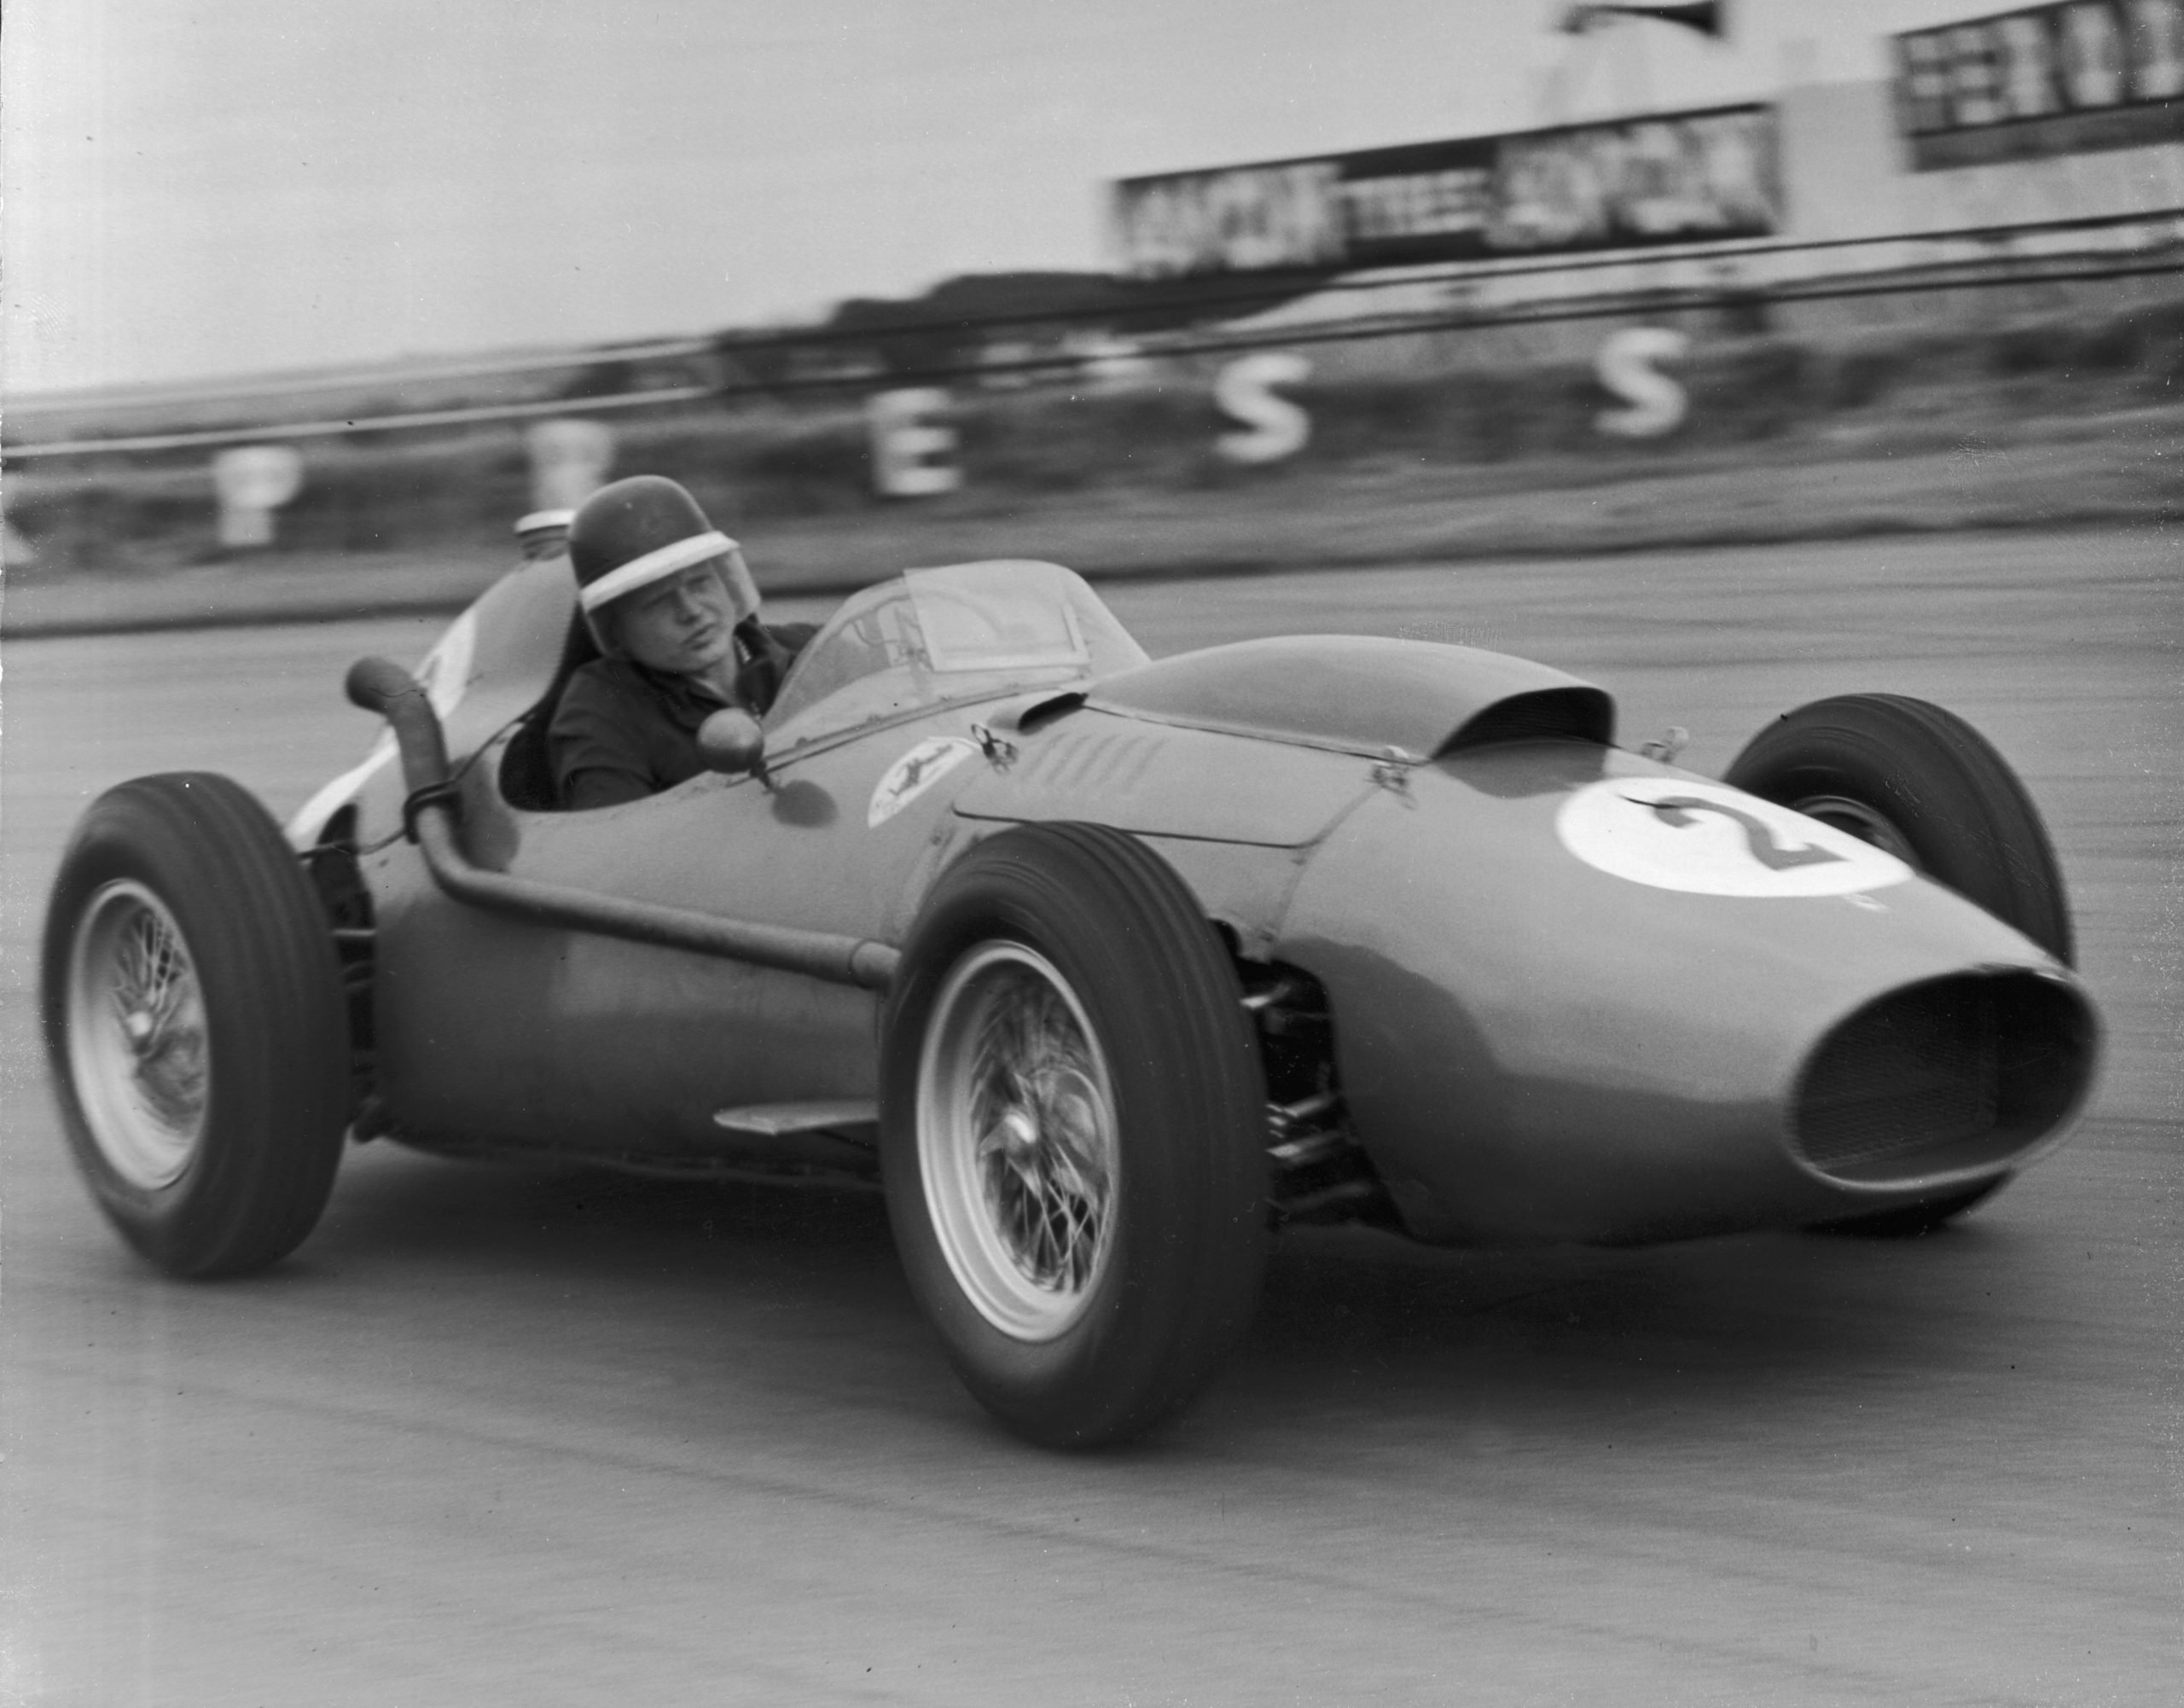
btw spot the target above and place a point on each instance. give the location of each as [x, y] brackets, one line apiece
[1483, 319]
[311, 307]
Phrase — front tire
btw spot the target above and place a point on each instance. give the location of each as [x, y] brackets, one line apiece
[1911, 777]
[1917, 779]
[1073, 1133]
[1912, 1221]
[194, 1024]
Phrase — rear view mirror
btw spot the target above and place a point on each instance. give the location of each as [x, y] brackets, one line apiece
[731, 742]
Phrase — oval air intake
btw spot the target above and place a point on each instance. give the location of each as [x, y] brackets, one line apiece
[1952, 1074]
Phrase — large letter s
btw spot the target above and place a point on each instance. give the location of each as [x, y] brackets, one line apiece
[1244, 390]
[1625, 368]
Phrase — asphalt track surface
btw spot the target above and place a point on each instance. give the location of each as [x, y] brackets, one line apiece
[499, 1437]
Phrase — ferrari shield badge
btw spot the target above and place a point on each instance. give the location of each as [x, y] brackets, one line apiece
[915, 773]
[1679, 834]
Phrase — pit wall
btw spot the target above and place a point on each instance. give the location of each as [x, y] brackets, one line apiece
[1528, 395]
[1378, 409]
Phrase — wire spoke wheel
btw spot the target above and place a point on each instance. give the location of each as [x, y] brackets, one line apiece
[1016, 1134]
[138, 1051]
[195, 1024]
[1072, 1132]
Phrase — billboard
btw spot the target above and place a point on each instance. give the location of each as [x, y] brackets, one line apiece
[2054, 79]
[1675, 178]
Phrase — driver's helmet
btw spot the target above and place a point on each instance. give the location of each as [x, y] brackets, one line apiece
[633, 532]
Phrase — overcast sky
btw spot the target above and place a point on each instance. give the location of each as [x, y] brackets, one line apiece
[223, 188]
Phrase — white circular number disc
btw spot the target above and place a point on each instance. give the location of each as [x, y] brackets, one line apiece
[1679, 834]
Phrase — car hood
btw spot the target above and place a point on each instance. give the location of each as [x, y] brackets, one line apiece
[1362, 693]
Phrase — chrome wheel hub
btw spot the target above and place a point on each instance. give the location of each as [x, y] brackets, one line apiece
[1016, 1141]
[138, 1055]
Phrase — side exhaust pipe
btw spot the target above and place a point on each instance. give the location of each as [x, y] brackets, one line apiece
[430, 815]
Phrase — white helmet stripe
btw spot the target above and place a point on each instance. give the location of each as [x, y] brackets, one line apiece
[661, 561]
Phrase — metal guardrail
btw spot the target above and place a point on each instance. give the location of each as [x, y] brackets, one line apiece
[1696, 276]
[1288, 285]
[183, 394]
[419, 418]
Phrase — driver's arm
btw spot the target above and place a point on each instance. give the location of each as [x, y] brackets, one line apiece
[599, 746]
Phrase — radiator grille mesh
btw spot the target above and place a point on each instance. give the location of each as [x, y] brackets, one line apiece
[1916, 1071]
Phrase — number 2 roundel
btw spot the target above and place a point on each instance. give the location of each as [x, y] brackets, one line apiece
[1680, 833]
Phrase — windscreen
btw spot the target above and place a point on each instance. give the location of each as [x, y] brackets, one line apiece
[934, 633]
[992, 616]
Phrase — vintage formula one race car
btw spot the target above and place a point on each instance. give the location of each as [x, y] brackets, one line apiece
[1103, 967]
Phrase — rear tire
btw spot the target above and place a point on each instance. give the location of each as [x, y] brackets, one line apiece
[1918, 781]
[1073, 1133]
[195, 1026]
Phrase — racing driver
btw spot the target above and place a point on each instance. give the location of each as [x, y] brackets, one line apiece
[670, 602]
